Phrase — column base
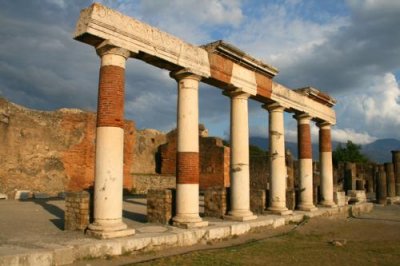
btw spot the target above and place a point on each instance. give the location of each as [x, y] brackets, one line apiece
[307, 208]
[188, 225]
[240, 216]
[188, 221]
[279, 211]
[328, 204]
[109, 231]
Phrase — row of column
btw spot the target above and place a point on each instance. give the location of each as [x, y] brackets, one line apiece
[278, 172]
[109, 153]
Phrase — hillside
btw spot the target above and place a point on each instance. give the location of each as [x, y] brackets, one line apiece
[378, 151]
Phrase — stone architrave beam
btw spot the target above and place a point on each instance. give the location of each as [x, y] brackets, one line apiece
[219, 64]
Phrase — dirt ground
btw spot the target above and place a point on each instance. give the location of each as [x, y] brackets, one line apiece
[372, 239]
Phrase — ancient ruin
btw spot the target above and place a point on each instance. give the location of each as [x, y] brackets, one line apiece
[117, 37]
[107, 155]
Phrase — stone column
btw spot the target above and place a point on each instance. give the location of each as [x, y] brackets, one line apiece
[381, 188]
[325, 160]
[350, 176]
[187, 156]
[305, 163]
[239, 166]
[390, 181]
[110, 146]
[278, 171]
[396, 165]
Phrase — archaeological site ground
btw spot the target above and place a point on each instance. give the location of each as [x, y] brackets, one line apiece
[77, 186]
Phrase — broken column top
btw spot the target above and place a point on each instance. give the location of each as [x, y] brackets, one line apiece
[317, 95]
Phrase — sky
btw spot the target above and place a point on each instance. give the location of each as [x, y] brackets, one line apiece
[349, 49]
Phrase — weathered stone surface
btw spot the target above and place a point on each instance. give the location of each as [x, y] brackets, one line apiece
[50, 152]
[146, 151]
[144, 182]
[258, 201]
[357, 196]
[215, 202]
[77, 210]
[160, 205]
[290, 199]
[339, 198]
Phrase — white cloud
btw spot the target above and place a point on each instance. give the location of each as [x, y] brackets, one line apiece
[344, 135]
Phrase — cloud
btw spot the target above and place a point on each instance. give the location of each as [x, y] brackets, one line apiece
[190, 20]
[349, 49]
[375, 109]
[344, 135]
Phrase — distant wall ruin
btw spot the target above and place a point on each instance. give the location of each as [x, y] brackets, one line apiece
[51, 152]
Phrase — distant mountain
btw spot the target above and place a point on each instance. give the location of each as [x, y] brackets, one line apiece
[378, 151]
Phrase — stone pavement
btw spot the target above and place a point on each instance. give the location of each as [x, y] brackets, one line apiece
[31, 232]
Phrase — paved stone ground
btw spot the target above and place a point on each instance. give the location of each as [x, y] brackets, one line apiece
[31, 232]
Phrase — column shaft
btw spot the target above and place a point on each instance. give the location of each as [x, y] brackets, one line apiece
[239, 166]
[305, 163]
[325, 159]
[381, 186]
[110, 147]
[278, 172]
[390, 180]
[396, 165]
[187, 157]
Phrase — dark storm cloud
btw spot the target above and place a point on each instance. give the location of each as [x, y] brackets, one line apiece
[41, 66]
[368, 46]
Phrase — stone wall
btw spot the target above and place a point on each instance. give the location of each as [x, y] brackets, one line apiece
[144, 182]
[51, 152]
[213, 156]
[146, 151]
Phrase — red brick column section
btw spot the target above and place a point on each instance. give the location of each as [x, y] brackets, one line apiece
[305, 163]
[110, 146]
[304, 141]
[110, 105]
[187, 168]
[187, 157]
[326, 168]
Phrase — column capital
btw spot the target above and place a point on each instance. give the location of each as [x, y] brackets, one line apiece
[108, 48]
[324, 125]
[184, 73]
[303, 118]
[273, 107]
[237, 94]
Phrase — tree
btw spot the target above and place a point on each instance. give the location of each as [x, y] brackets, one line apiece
[350, 153]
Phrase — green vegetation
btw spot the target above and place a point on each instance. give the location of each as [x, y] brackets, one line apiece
[351, 152]
[292, 249]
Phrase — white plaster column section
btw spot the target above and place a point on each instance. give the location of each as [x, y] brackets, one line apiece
[187, 157]
[325, 160]
[110, 147]
[278, 171]
[305, 163]
[239, 163]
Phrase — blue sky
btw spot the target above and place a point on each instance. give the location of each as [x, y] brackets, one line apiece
[349, 49]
